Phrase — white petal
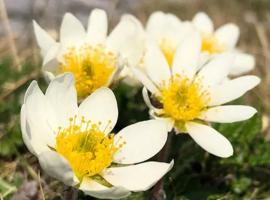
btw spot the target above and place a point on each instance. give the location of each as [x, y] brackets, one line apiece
[72, 32]
[57, 167]
[147, 101]
[186, 59]
[37, 110]
[165, 26]
[97, 27]
[243, 63]
[210, 140]
[156, 65]
[142, 77]
[228, 35]
[44, 40]
[100, 107]
[155, 25]
[228, 114]
[50, 62]
[203, 23]
[25, 131]
[143, 140]
[93, 188]
[216, 70]
[127, 39]
[62, 97]
[231, 90]
[139, 177]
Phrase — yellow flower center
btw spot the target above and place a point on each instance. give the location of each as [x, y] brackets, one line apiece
[183, 99]
[92, 67]
[211, 44]
[168, 50]
[87, 149]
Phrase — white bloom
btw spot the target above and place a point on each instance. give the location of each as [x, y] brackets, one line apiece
[189, 95]
[222, 40]
[75, 145]
[168, 31]
[94, 58]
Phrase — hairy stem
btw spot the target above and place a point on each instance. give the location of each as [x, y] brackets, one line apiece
[70, 193]
[158, 192]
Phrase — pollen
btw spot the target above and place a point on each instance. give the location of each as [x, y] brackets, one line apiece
[211, 44]
[183, 99]
[87, 149]
[168, 50]
[92, 67]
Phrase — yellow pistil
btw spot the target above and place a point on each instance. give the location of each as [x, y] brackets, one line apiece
[92, 67]
[87, 149]
[168, 50]
[211, 45]
[183, 99]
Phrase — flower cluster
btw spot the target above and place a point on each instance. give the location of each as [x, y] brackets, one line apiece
[187, 70]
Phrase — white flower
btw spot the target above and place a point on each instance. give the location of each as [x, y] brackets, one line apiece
[75, 145]
[168, 31]
[94, 58]
[189, 95]
[222, 40]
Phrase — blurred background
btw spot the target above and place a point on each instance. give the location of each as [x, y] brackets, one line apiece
[196, 174]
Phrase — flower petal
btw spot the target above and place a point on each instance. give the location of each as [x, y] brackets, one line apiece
[156, 65]
[210, 140]
[100, 108]
[62, 97]
[57, 167]
[97, 27]
[37, 114]
[139, 177]
[72, 32]
[44, 40]
[232, 89]
[50, 62]
[216, 70]
[93, 188]
[142, 77]
[126, 39]
[34, 146]
[228, 114]
[243, 63]
[155, 25]
[142, 141]
[165, 26]
[187, 56]
[228, 35]
[203, 23]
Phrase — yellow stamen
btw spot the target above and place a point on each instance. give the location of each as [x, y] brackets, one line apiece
[183, 99]
[87, 149]
[92, 67]
[211, 45]
[168, 50]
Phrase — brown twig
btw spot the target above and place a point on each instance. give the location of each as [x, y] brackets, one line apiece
[18, 84]
[40, 186]
[10, 36]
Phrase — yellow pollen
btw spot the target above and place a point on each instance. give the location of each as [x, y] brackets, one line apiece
[91, 66]
[183, 99]
[168, 50]
[87, 149]
[211, 45]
